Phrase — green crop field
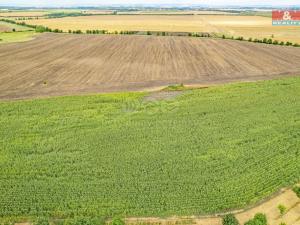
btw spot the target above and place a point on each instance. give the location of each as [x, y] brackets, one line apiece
[16, 36]
[205, 151]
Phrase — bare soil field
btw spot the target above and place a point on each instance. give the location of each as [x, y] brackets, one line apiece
[4, 28]
[63, 64]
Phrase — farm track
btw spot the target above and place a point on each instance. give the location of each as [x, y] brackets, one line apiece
[62, 64]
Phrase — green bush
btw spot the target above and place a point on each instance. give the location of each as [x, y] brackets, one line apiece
[230, 220]
[259, 219]
[117, 221]
[282, 223]
[270, 41]
[282, 209]
[296, 189]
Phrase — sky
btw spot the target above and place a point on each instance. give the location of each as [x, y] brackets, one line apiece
[70, 3]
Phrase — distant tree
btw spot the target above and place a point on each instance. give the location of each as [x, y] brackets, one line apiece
[230, 220]
[250, 39]
[148, 33]
[296, 45]
[223, 36]
[270, 41]
[14, 30]
[265, 40]
[275, 42]
[281, 43]
[288, 43]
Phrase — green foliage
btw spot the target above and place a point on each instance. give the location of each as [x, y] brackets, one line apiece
[42, 221]
[175, 87]
[296, 189]
[282, 209]
[259, 219]
[85, 221]
[117, 221]
[41, 29]
[282, 223]
[66, 14]
[230, 220]
[240, 38]
[87, 156]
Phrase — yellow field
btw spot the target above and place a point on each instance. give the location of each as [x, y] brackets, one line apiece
[232, 25]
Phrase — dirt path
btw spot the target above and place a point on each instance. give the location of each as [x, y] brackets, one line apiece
[62, 64]
[285, 197]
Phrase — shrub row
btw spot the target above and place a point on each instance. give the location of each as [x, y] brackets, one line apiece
[259, 219]
[41, 29]
[264, 41]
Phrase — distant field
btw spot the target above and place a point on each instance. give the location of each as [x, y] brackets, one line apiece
[175, 12]
[230, 25]
[27, 13]
[59, 64]
[16, 36]
[206, 151]
[8, 27]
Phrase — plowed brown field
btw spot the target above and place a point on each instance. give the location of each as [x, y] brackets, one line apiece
[59, 64]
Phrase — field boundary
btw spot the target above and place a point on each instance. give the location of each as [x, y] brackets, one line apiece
[216, 217]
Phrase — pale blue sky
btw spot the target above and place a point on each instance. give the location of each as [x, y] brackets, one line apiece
[61, 3]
